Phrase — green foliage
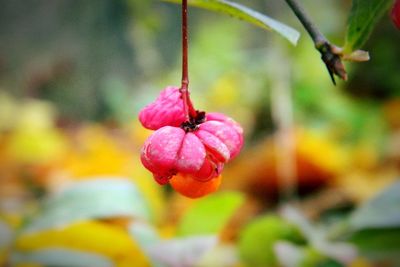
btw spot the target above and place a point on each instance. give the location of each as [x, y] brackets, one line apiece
[209, 215]
[99, 198]
[246, 14]
[259, 237]
[314, 258]
[364, 15]
[377, 225]
[379, 244]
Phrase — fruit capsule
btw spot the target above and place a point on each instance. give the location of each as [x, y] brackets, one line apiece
[188, 186]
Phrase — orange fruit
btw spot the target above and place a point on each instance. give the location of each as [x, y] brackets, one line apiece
[188, 186]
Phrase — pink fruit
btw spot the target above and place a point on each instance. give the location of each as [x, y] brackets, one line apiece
[170, 150]
[166, 110]
[198, 147]
[200, 152]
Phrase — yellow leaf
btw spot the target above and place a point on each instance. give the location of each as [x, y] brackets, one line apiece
[138, 132]
[13, 220]
[312, 144]
[36, 146]
[152, 191]
[95, 152]
[91, 236]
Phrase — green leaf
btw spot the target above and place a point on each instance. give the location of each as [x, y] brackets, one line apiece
[317, 238]
[210, 214]
[379, 244]
[257, 240]
[244, 13]
[383, 211]
[57, 257]
[363, 16]
[96, 198]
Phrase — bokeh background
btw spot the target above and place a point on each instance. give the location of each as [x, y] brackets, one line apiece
[73, 77]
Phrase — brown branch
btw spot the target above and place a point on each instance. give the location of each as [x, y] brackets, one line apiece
[330, 54]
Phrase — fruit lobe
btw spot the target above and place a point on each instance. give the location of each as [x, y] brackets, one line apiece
[166, 110]
[189, 186]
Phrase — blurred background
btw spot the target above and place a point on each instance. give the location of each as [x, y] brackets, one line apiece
[315, 185]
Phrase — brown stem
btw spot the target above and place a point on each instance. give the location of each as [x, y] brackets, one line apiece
[329, 53]
[190, 112]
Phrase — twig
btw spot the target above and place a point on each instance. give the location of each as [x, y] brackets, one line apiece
[330, 54]
[190, 112]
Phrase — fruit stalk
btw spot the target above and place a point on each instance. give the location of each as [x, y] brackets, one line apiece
[190, 112]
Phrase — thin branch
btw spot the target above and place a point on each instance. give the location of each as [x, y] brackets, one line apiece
[185, 75]
[190, 112]
[330, 54]
[301, 14]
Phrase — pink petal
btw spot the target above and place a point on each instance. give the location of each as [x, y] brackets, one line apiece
[166, 110]
[191, 155]
[226, 133]
[214, 145]
[160, 151]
